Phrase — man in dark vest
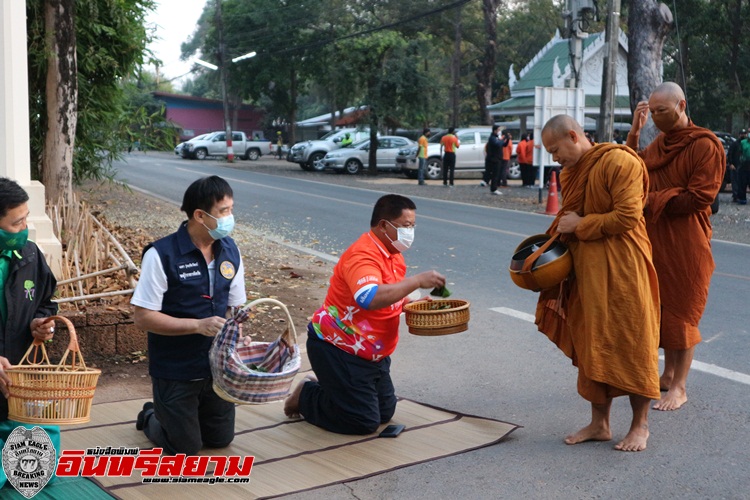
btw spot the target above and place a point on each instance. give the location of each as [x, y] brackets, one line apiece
[189, 280]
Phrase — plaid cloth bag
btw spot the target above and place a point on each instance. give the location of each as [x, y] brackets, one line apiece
[261, 372]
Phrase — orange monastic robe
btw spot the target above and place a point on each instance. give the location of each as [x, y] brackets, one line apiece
[606, 317]
[685, 170]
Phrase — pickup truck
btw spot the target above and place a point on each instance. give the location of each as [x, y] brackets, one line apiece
[215, 144]
[309, 154]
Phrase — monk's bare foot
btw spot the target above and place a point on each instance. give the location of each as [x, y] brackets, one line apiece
[590, 433]
[635, 440]
[672, 400]
[665, 383]
[291, 405]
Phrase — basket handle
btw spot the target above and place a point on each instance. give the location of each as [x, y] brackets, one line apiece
[256, 302]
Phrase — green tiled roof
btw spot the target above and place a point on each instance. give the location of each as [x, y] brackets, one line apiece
[540, 74]
[513, 104]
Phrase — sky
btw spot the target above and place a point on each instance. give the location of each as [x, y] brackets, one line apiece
[175, 21]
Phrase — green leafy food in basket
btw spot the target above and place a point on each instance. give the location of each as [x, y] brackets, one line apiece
[435, 306]
[441, 291]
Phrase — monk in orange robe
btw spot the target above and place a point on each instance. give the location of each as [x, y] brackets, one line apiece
[685, 166]
[605, 317]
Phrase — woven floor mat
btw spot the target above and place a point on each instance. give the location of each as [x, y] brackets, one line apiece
[291, 455]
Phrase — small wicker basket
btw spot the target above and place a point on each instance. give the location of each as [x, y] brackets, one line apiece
[432, 317]
[43, 393]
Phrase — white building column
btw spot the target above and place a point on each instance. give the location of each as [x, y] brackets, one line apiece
[14, 126]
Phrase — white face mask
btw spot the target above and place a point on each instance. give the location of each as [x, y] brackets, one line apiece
[404, 239]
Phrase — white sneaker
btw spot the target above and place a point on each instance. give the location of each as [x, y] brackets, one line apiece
[483, 184]
[498, 192]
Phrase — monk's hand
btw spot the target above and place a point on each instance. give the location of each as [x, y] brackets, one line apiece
[640, 115]
[211, 326]
[568, 222]
[4, 378]
[42, 329]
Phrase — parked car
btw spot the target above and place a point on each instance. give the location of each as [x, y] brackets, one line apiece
[469, 156]
[309, 154]
[352, 159]
[178, 148]
[215, 144]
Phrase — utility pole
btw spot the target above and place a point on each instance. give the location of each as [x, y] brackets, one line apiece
[609, 72]
[456, 71]
[223, 77]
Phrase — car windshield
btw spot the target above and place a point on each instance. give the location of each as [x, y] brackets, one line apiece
[332, 134]
[435, 139]
[360, 144]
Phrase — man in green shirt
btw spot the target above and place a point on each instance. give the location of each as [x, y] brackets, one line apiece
[26, 289]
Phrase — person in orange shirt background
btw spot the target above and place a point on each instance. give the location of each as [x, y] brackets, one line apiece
[353, 334]
[507, 154]
[422, 154]
[523, 155]
[448, 146]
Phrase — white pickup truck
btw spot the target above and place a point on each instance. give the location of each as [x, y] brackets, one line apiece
[215, 144]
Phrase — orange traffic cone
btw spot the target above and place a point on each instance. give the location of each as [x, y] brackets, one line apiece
[552, 205]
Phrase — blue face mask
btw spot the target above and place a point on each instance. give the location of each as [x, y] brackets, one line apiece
[13, 241]
[224, 226]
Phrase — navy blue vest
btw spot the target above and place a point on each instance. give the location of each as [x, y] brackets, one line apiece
[185, 357]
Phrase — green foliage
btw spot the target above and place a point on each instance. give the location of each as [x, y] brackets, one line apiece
[111, 40]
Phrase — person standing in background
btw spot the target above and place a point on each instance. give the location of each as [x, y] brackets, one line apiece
[422, 154]
[448, 146]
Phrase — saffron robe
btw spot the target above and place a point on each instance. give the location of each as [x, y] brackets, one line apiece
[605, 317]
[685, 168]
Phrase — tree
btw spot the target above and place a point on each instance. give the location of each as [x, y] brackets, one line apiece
[61, 92]
[649, 23]
[486, 70]
[93, 45]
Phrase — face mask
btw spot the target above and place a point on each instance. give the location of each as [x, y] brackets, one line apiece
[666, 120]
[224, 226]
[13, 241]
[404, 239]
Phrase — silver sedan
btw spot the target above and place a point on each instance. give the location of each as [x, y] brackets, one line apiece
[353, 159]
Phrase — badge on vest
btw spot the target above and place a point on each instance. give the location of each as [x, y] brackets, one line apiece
[189, 271]
[227, 269]
[28, 460]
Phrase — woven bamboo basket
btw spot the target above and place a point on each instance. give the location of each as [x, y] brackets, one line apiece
[43, 393]
[424, 317]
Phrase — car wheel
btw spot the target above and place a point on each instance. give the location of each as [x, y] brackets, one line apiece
[316, 161]
[434, 169]
[201, 154]
[252, 154]
[514, 171]
[411, 174]
[353, 167]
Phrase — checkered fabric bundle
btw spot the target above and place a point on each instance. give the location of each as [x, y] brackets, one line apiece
[261, 372]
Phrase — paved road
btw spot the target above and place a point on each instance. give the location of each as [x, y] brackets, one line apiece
[502, 368]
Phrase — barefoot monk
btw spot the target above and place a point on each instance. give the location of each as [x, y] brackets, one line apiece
[605, 317]
[685, 167]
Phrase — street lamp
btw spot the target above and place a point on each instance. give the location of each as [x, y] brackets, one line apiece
[225, 103]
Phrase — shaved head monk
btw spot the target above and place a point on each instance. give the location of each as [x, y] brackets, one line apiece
[685, 167]
[605, 316]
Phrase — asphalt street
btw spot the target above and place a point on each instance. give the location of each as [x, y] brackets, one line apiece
[502, 367]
